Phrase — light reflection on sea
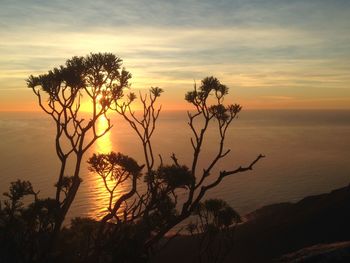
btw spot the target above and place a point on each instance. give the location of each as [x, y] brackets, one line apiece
[100, 197]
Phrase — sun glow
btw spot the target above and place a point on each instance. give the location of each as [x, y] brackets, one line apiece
[102, 146]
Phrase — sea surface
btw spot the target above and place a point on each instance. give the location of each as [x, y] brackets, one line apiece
[307, 153]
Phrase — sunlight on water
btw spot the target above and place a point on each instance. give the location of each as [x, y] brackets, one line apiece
[102, 146]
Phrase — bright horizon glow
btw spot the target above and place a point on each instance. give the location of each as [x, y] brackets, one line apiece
[272, 55]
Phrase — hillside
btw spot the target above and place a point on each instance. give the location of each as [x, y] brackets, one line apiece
[279, 229]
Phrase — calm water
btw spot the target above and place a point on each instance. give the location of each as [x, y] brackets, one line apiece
[307, 153]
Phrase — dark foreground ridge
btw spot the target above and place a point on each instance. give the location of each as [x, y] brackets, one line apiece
[334, 252]
[280, 229]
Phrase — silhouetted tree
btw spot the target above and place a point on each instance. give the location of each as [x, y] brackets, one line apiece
[157, 209]
[100, 80]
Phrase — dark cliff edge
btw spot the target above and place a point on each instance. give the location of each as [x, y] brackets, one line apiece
[279, 229]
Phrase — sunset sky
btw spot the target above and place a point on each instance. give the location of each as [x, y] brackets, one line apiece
[271, 53]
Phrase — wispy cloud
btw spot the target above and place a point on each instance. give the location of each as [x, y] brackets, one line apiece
[257, 47]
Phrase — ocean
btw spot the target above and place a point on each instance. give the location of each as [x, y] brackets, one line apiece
[307, 153]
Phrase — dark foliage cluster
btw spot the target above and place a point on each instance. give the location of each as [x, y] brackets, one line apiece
[25, 229]
[214, 229]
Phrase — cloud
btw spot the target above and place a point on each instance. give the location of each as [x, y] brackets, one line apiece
[278, 97]
[75, 15]
[272, 45]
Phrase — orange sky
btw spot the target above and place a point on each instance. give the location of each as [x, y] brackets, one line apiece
[290, 54]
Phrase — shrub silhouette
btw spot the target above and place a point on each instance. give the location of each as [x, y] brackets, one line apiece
[214, 228]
